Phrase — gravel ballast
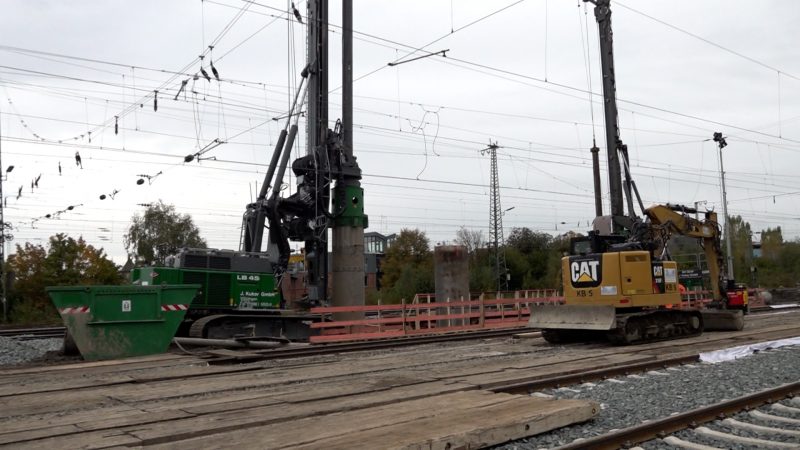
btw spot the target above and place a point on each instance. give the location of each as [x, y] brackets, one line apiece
[14, 351]
[628, 401]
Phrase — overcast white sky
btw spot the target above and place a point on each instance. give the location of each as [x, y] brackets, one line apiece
[420, 127]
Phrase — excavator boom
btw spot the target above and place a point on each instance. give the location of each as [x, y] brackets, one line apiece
[675, 219]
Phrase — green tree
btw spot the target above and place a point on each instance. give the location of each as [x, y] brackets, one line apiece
[529, 256]
[482, 274]
[160, 232]
[66, 262]
[472, 240]
[518, 267]
[779, 266]
[528, 241]
[742, 247]
[771, 243]
[559, 247]
[408, 266]
[789, 263]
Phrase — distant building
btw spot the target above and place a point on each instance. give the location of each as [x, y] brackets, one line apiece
[375, 245]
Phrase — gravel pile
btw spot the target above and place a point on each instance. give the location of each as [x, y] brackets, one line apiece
[14, 351]
[628, 401]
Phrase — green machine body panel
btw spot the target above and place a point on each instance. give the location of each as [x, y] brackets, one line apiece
[221, 290]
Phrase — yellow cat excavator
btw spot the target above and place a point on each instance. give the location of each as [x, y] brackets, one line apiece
[627, 288]
[619, 280]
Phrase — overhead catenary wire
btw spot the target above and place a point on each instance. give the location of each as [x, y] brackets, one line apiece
[128, 128]
[475, 142]
[587, 62]
[709, 42]
[521, 75]
[417, 49]
[639, 104]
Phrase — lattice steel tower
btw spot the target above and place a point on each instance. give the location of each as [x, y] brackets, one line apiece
[496, 221]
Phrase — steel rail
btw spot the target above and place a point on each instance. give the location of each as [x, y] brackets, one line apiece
[539, 383]
[636, 434]
[523, 386]
[327, 349]
[33, 333]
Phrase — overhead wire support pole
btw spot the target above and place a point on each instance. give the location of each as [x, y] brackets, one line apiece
[496, 220]
[721, 143]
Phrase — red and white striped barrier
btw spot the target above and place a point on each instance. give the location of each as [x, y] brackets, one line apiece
[174, 307]
[74, 310]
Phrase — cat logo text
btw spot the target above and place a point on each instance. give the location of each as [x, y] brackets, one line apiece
[585, 271]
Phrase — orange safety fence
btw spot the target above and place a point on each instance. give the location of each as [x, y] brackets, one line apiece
[426, 316]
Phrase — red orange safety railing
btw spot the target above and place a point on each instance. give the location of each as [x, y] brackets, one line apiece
[424, 315]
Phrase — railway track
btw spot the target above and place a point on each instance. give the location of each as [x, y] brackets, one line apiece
[25, 334]
[54, 332]
[328, 349]
[585, 376]
[783, 414]
[742, 422]
[241, 398]
[254, 355]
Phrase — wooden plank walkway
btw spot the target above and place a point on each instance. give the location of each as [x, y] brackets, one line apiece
[415, 397]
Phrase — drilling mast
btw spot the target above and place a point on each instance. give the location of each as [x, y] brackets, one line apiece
[332, 151]
[306, 215]
[602, 12]
[617, 151]
[317, 116]
[349, 220]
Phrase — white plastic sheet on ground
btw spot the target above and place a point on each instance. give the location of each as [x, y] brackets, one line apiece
[729, 354]
[785, 305]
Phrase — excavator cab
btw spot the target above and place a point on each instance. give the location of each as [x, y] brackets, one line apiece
[593, 243]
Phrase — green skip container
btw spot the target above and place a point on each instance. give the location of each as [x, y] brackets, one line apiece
[112, 322]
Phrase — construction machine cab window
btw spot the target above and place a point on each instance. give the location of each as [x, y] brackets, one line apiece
[593, 243]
